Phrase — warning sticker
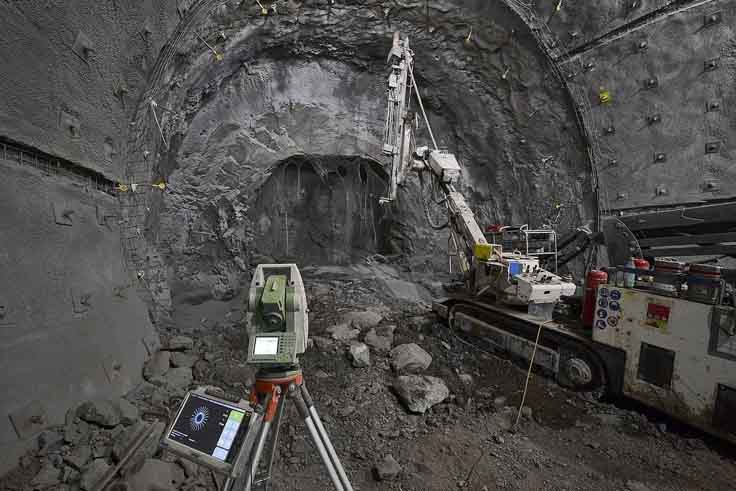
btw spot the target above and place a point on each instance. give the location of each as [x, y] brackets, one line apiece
[658, 314]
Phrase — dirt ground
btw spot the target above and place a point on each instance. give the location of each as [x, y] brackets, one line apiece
[570, 442]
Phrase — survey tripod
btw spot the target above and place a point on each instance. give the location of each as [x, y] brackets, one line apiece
[273, 387]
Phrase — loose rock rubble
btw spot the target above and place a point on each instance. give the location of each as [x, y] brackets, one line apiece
[430, 413]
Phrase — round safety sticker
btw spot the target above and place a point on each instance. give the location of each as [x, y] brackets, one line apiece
[614, 306]
[603, 292]
[600, 324]
[613, 321]
[615, 294]
[602, 302]
[602, 313]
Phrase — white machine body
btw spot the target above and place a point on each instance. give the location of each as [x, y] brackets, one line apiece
[444, 165]
[680, 354]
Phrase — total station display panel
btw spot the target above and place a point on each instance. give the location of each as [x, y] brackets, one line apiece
[208, 429]
[266, 345]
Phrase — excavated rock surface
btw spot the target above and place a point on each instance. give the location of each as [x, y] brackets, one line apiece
[276, 149]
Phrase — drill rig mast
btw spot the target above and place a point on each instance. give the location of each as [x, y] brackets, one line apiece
[510, 277]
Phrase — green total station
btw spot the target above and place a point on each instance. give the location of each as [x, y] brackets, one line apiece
[277, 320]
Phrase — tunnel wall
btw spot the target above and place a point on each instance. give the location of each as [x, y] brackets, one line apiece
[71, 75]
[71, 323]
[664, 136]
[72, 72]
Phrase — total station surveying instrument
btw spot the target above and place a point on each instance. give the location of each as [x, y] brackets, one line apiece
[232, 437]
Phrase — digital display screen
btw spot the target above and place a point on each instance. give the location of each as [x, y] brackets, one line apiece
[266, 346]
[208, 426]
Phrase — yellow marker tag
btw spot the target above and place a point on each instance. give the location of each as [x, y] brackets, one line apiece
[483, 251]
[161, 185]
[604, 96]
[219, 56]
[264, 11]
[122, 188]
[559, 6]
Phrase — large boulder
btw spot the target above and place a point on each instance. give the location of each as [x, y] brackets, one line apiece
[409, 357]
[359, 354]
[420, 392]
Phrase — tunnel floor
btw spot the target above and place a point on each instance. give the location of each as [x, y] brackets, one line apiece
[565, 440]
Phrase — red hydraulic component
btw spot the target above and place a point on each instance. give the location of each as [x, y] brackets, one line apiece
[494, 228]
[595, 278]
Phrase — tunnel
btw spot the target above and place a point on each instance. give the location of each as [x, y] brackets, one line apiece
[154, 153]
[321, 209]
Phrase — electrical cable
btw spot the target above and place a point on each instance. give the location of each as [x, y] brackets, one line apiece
[425, 204]
[529, 372]
[421, 106]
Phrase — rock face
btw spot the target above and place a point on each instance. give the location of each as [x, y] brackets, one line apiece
[409, 357]
[420, 392]
[388, 469]
[359, 355]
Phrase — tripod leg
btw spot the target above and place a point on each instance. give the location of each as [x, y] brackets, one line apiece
[274, 439]
[242, 464]
[325, 438]
[304, 412]
[256, 457]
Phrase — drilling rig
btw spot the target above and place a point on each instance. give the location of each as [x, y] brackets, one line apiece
[665, 336]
